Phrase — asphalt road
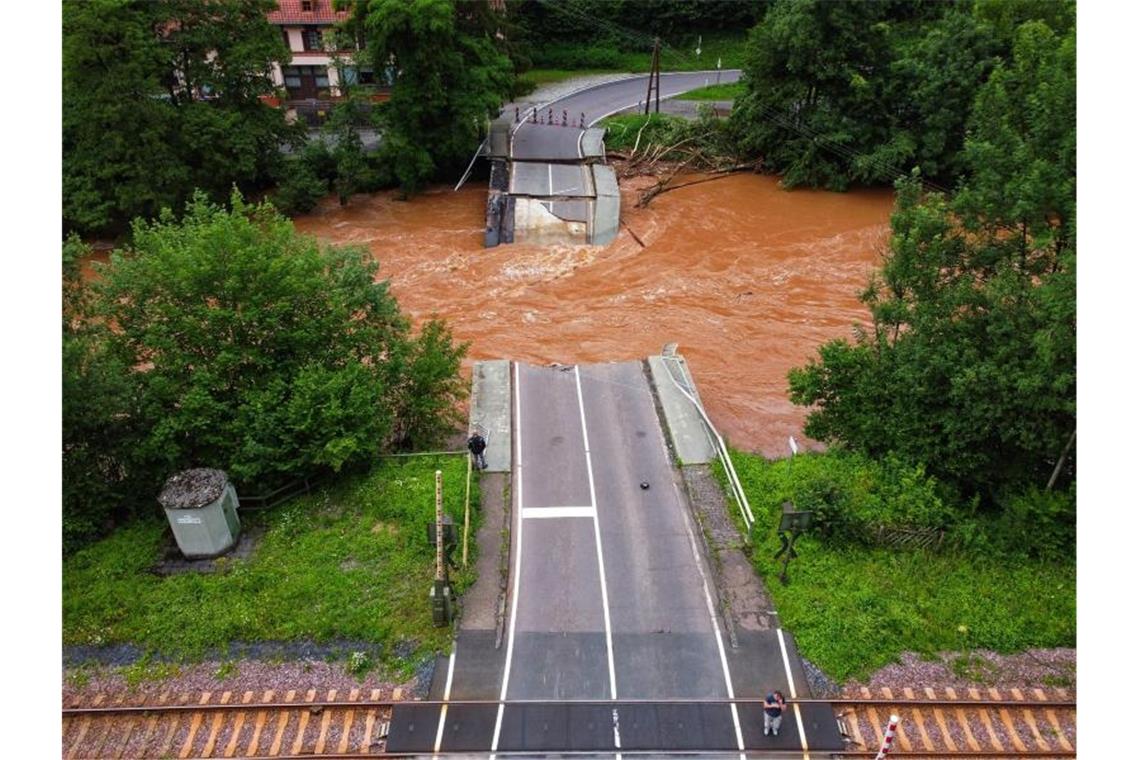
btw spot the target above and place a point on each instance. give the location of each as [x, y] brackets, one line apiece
[609, 595]
[611, 642]
[537, 142]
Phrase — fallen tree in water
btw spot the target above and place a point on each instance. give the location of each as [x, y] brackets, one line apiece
[663, 185]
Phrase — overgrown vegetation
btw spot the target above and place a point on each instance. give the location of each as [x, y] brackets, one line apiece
[350, 563]
[454, 74]
[160, 98]
[856, 605]
[969, 366]
[842, 92]
[618, 34]
[241, 345]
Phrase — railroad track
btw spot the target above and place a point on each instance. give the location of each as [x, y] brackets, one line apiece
[224, 724]
[934, 724]
[962, 723]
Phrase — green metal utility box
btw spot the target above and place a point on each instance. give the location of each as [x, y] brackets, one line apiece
[201, 505]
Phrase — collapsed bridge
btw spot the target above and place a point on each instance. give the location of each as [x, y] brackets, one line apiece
[549, 180]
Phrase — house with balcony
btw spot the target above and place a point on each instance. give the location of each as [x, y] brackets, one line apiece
[321, 65]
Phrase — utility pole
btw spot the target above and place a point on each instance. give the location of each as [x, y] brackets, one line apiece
[654, 71]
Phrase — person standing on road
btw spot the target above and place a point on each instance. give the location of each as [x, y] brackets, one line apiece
[773, 712]
[476, 445]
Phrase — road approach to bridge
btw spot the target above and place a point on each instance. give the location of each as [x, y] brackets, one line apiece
[613, 641]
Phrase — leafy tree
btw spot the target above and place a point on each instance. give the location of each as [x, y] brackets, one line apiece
[262, 352]
[95, 392]
[451, 77]
[845, 91]
[300, 188]
[353, 173]
[161, 97]
[970, 366]
[814, 89]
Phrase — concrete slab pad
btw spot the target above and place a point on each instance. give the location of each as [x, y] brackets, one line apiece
[491, 410]
[534, 222]
[571, 211]
[592, 145]
[545, 180]
[607, 206]
[687, 430]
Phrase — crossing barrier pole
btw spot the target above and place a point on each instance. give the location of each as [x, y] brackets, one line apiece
[888, 738]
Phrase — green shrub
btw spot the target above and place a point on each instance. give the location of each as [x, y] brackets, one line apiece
[300, 189]
[849, 494]
[1040, 524]
[320, 160]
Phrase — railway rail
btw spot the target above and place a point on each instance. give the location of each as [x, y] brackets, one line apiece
[947, 723]
[223, 724]
[962, 723]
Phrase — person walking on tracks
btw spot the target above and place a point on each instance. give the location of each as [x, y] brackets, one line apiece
[477, 445]
[773, 712]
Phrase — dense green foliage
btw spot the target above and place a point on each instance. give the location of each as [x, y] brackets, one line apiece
[252, 349]
[160, 97]
[615, 20]
[95, 387]
[970, 366]
[453, 76]
[846, 91]
[347, 563]
[856, 607]
[633, 51]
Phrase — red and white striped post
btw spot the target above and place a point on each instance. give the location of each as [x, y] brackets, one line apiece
[888, 738]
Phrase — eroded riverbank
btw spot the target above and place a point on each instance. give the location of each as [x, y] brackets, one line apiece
[747, 278]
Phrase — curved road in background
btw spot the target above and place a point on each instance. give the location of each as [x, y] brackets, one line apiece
[537, 142]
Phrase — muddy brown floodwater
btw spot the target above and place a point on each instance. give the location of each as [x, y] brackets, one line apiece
[748, 279]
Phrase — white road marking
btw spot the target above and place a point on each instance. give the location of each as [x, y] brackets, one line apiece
[518, 562]
[716, 627]
[792, 691]
[601, 563]
[446, 696]
[547, 513]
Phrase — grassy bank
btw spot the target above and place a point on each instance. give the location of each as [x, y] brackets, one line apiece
[715, 92]
[854, 609]
[622, 130]
[350, 562]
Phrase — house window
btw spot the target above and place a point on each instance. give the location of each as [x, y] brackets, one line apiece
[306, 82]
[292, 76]
[307, 6]
[312, 38]
[353, 75]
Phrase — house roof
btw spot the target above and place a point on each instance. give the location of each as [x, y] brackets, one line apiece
[289, 12]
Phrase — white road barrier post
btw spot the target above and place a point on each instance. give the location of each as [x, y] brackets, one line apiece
[888, 738]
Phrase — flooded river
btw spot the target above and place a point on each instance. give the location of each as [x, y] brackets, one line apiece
[745, 277]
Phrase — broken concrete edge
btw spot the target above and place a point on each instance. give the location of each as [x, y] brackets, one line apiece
[691, 439]
[592, 143]
[607, 205]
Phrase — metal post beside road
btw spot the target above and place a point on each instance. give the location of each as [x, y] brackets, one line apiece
[441, 589]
